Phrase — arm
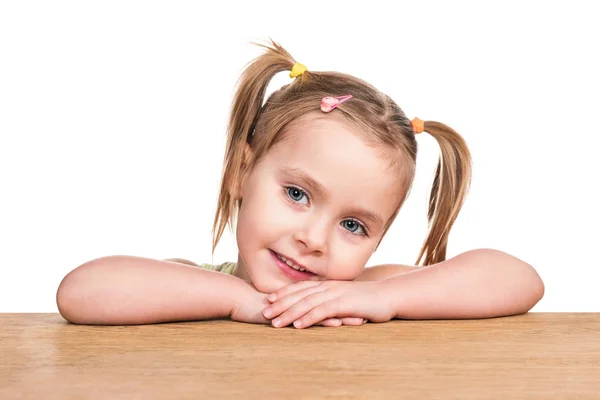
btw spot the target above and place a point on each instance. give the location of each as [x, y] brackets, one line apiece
[481, 283]
[381, 272]
[123, 290]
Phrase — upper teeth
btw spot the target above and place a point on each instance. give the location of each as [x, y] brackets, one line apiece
[291, 264]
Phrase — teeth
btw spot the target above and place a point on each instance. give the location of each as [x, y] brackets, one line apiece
[291, 264]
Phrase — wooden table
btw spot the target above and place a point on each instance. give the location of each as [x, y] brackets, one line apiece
[536, 355]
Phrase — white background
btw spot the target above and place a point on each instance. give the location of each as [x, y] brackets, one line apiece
[113, 115]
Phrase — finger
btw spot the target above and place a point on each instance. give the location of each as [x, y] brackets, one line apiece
[331, 322]
[352, 321]
[303, 306]
[283, 304]
[325, 309]
[292, 288]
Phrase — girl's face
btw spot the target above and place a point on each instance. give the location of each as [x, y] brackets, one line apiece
[320, 198]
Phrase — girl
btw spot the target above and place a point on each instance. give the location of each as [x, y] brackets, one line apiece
[316, 176]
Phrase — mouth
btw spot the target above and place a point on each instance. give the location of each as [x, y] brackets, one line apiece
[291, 267]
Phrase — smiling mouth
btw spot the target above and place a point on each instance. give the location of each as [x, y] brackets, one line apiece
[292, 264]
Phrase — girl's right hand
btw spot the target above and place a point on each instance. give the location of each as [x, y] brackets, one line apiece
[251, 303]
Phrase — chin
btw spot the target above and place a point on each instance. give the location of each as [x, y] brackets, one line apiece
[266, 284]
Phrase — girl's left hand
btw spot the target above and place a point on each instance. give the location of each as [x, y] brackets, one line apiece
[307, 303]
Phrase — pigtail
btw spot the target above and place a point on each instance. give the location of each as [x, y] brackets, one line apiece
[245, 111]
[450, 186]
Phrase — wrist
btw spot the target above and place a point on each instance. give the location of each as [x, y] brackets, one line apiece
[238, 295]
[242, 295]
[391, 295]
[248, 304]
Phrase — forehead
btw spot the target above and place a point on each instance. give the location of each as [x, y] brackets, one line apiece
[333, 152]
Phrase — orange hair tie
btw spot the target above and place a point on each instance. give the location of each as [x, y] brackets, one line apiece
[418, 125]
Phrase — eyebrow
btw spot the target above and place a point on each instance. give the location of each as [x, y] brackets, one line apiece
[322, 192]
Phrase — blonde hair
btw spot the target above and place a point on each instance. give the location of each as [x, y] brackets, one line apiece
[376, 115]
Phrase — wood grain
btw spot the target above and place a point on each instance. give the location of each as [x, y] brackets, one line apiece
[536, 355]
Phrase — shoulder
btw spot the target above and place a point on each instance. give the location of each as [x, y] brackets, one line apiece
[226, 267]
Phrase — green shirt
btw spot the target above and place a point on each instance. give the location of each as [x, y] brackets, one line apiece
[226, 267]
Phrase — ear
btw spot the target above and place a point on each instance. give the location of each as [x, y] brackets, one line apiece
[237, 188]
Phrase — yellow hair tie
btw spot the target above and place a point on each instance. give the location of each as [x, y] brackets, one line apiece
[297, 69]
[418, 125]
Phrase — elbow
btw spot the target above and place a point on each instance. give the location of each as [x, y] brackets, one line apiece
[527, 284]
[69, 299]
[73, 293]
[65, 299]
[536, 285]
[518, 285]
[532, 285]
[533, 293]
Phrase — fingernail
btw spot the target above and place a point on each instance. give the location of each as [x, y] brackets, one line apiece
[276, 322]
[297, 324]
[267, 312]
[271, 297]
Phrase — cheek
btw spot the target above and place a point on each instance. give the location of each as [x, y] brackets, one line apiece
[349, 261]
[263, 215]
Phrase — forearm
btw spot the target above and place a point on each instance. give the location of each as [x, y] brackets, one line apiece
[481, 283]
[123, 290]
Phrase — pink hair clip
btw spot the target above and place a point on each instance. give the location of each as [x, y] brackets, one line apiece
[329, 103]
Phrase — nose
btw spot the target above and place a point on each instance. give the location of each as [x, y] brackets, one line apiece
[312, 236]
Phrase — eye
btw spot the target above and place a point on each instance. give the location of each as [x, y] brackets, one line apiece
[296, 194]
[353, 226]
